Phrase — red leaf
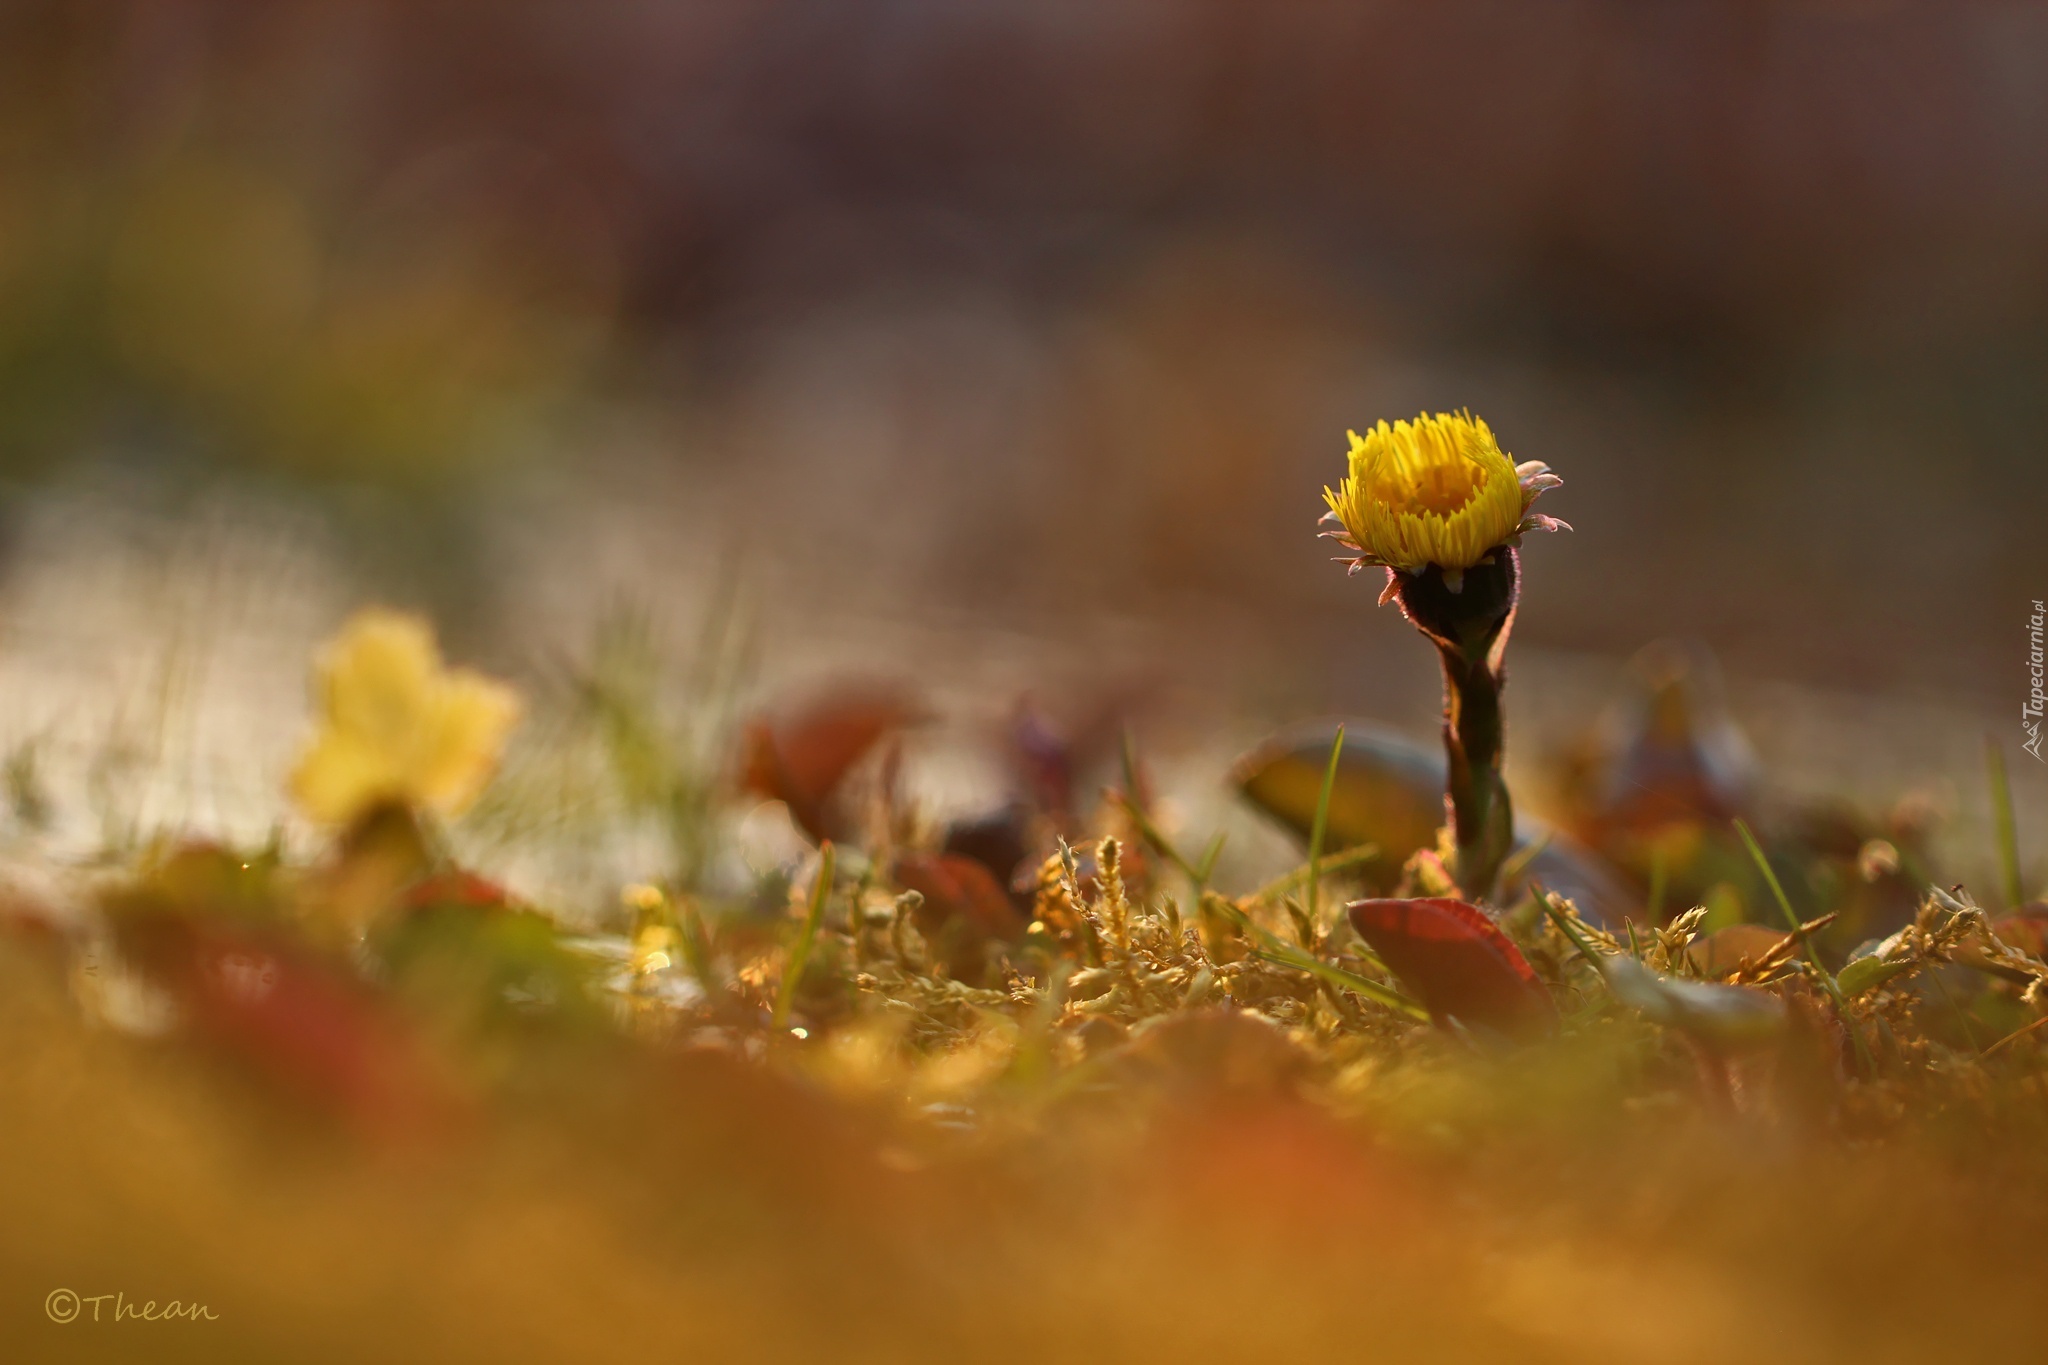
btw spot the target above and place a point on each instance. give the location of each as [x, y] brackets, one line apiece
[301, 1023]
[458, 888]
[956, 887]
[801, 759]
[1000, 843]
[1458, 962]
[2026, 929]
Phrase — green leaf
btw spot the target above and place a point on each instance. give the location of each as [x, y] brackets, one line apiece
[1721, 1016]
[1868, 973]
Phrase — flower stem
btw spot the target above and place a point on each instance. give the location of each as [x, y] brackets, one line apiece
[1469, 626]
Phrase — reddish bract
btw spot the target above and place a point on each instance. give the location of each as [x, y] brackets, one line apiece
[1458, 962]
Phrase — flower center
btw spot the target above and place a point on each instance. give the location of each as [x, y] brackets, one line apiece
[1442, 487]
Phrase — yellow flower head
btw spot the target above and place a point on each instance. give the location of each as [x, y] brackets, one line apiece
[1437, 490]
[397, 726]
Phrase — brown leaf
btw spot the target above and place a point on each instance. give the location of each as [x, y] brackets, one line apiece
[1667, 752]
[1389, 790]
[956, 887]
[802, 758]
[1721, 952]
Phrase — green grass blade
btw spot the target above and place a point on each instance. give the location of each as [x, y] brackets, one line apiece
[1570, 931]
[1157, 841]
[1322, 823]
[1826, 978]
[1204, 870]
[696, 944]
[800, 953]
[1350, 981]
[2002, 819]
[1763, 865]
[1272, 948]
[1153, 836]
[1336, 862]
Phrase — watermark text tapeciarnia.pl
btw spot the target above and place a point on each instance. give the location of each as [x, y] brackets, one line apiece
[2031, 710]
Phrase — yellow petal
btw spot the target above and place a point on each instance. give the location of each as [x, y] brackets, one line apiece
[395, 725]
[376, 677]
[1437, 490]
[340, 777]
[472, 717]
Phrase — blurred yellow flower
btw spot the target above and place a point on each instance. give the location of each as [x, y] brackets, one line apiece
[1437, 490]
[398, 726]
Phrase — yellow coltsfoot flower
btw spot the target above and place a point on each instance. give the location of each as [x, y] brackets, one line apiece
[398, 727]
[1438, 490]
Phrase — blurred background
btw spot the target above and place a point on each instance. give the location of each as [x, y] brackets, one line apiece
[1004, 339]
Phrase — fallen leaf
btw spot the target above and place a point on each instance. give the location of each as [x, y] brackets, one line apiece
[1721, 952]
[1389, 791]
[801, 759]
[301, 1023]
[1001, 843]
[1723, 1017]
[956, 887]
[1457, 962]
[1667, 752]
